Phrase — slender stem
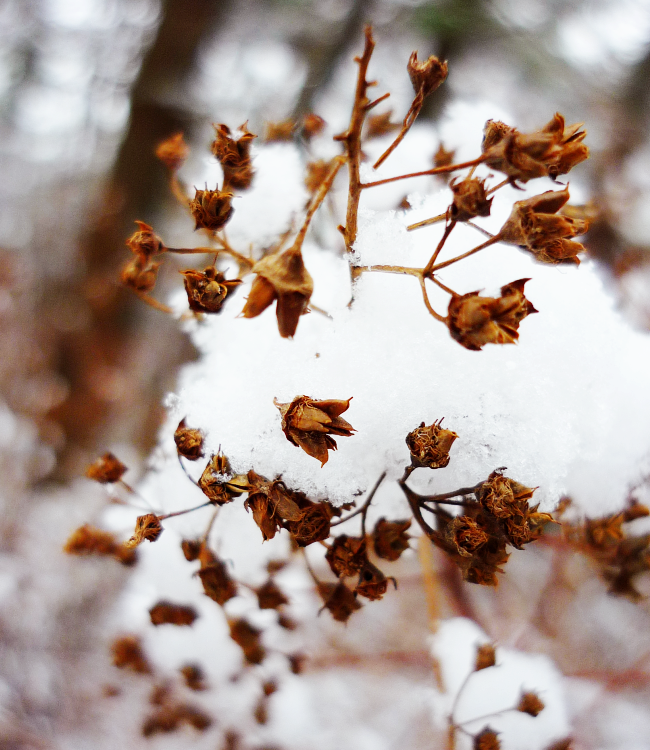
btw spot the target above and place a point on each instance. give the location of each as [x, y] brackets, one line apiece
[395, 269]
[217, 251]
[320, 310]
[454, 493]
[183, 512]
[412, 498]
[363, 508]
[204, 539]
[448, 230]
[496, 187]
[427, 222]
[454, 705]
[185, 471]
[135, 493]
[425, 297]
[176, 188]
[462, 503]
[374, 103]
[410, 118]
[325, 185]
[153, 302]
[491, 241]
[443, 286]
[352, 140]
[486, 716]
[436, 170]
[480, 229]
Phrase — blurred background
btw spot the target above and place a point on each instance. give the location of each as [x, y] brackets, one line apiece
[87, 90]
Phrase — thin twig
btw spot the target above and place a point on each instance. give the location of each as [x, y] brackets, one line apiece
[183, 512]
[204, 539]
[427, 222]
[153, 302]
[427, 303]
[363, 508]
[491, 241]
[436, 170]
[411, 116]
[185, 471]
[448, 230]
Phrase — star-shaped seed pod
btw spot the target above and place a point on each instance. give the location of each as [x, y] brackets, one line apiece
[470, 199]
[430, 446]
[282, 277]
[211, 209]
[536, 226]
[390, 539]
[346, 555]
[207, 290]
[309, 423]
[234, 156]
[548, 152]
[145, 242]
[426, 75]
[474, 321]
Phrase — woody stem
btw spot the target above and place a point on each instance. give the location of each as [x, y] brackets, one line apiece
[436, 170]
[491, 241]
[412, 498]
[183, 512]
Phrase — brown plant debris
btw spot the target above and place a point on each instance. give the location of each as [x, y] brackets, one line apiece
[140, 274]
[147, 527]
[217, 583]
[485, 657]
[338, 599]
[389, 538]
[308, 424]
[88, 540]
[234, 156]
[430, 446]
[531, 704]
[167, 613]
[474, 321]
[270, 596]
[207, 290]
[191, 549]
[145, 242]
[372, 583]
[278, 132]
[248, 638]
[128, 654]
[169, 718]
[487, 739]
[347, 555]
[549, 152]
[470, 199]
[219, 484]
[380, 125]
[106, 470]
[189, 441]
[426, 75]
[173, 152]
[281, 277]
[194, 677]
[312, 125]
[535, 225]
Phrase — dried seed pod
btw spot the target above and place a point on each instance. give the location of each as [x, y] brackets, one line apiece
[269, 596]
[140, 274]
[248, 638]
[443, 157]
[390, 539]
[146, 527]
[106, 470]
[173, 152]
[535, 225]
[372, 584]
[485, 657]
[467, 535]
[487, 739]
[88, 540]
[189, 442]
[312, 125]
[234, 156]
[167, 613]
[207, 290]
[470, 199]
[194, 677]
[313, 524]
[430, 446]
[347, 555]
[308, 424]
[531, 704]
[474, 321]
[338, 599]
[504, 497]
[282, 277]
[219, 484]
[217, 583]
[275, 132]
[144, 242]
[426, 75]
[128, 654]
[317, 171]
[380, 125]
[191, 549]
[211, 209]
[550, 151]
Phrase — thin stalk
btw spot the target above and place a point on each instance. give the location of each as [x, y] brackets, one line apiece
[363, 508]
[204, 539]
[427, 222]
[425, 297]
[436, 170]
[410, 118]
[324, 188]
[183, 512]
[154, 302]
[448, 230]
[491, 241]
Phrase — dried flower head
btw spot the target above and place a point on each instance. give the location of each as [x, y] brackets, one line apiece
[426, 75]
[211, 209]
[234, 156]
[470, 199]
[380, 125]
[317, 171]
[282, 277]
[474, 321]
[248, 638]
[191, 549]
[217, 583]
[308, 424]
[189, 442]
[430, 446]
[140, 274]
[487, 739]
[346, 555]
[551, 151]
[145, 242]
[270, 596]
[194, 677]
[173, 152]
[207, 290]
[219, 484]
[467, 535]
[536, 226]
[390, 539]
[279, 131]
[166, 613]
[88, 540]
[106, 470]
[443, 157]
[128, 654]
[485, 657]
[313, 525]
[312, 125]
[338, 599]
[504, 497]
[531, 704]
[146, 527]
[372, 583]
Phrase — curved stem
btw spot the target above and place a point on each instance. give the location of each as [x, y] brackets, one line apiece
[153, 302]
[435, 170]
[425, 297]
[183, 512]
[364, 508]
[410, 118]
